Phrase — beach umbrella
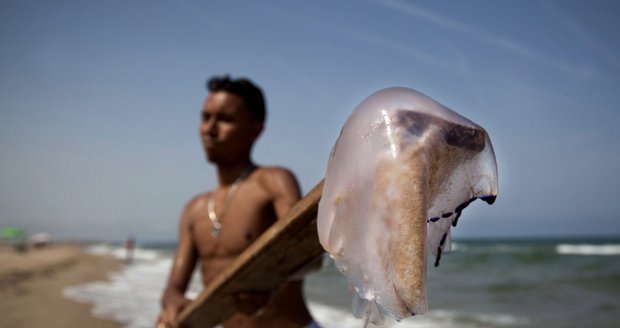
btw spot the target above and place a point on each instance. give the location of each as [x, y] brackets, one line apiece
[11, 232]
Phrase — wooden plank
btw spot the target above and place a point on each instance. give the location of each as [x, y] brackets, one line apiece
[279, 252]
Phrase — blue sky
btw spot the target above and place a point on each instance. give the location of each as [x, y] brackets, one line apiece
[100, 101]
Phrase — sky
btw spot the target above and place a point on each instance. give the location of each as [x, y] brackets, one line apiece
[100, 102]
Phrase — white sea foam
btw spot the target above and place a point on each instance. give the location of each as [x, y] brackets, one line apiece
[449, 319]
[118, 252]
[131, 296]
[330, 317]
[588, 249]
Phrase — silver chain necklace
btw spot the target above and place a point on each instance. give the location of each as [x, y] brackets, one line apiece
[216, 224]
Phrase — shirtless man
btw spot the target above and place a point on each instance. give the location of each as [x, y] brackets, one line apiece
[215, 227]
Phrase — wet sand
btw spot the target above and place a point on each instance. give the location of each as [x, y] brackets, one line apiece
[31, 285]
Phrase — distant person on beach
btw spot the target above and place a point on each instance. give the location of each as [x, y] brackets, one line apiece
[129, 246]
[215, 227]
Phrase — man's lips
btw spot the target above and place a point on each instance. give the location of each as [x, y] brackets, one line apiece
[209, 143]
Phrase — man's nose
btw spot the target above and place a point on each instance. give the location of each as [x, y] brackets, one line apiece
[209, 127]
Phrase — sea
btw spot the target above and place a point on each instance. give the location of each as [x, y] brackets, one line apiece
[570, 282]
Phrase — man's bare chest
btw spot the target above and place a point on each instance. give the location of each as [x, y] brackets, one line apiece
[248, 215]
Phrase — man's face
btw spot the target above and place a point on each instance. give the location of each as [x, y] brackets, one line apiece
[227, 130]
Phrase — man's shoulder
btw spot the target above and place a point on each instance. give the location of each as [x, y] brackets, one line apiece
[274, 171]
[274, 178]
[271, 174]
[197, 202]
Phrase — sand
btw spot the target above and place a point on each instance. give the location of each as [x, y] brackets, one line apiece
[31, 285]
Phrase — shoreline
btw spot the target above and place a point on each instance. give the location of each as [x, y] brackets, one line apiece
[32, 284]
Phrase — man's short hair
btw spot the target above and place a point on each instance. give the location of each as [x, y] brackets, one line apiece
[246, 89]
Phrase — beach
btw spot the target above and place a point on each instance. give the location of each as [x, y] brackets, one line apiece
[32, 284]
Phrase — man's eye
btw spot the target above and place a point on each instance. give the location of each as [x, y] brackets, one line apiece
[225, 118]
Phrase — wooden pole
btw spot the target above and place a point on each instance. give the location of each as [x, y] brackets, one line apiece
[279, 252]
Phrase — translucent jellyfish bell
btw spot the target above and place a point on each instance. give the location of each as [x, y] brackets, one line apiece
[401, 172]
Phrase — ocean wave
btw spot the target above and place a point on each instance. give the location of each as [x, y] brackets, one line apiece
[331, 317]
[588, 249]
[120, 252]
[497, 248]
[130, 295]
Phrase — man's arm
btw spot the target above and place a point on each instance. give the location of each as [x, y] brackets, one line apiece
[286, 193]
[283, 187]
[173, 299]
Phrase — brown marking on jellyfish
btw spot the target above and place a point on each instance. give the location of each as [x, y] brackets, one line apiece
[443, 239]
[456, 219]
[461, 207]
[438, 257]
[490, 199]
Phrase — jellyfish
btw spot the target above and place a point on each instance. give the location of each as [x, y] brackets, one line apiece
[401, 172]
